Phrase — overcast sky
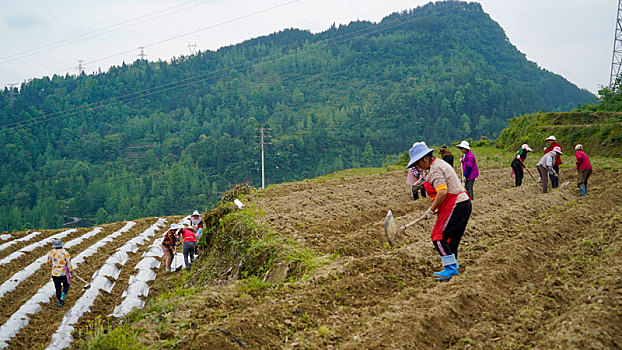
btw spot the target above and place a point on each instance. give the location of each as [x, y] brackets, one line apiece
[573, 38]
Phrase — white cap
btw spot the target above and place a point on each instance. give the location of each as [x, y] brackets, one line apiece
[196, 212]
[526, 147]
[464, 144]
[578, 147]
[551, 138]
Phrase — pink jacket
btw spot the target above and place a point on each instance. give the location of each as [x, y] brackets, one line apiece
[583, 161]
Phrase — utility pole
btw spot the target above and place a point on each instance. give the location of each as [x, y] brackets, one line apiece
[80, 67]
[263, 136]
[616, 61]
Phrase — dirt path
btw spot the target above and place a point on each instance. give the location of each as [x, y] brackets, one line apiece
[371, 297]
[43, 324]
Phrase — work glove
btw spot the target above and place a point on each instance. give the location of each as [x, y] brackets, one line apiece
[428, 214]
[518, 157]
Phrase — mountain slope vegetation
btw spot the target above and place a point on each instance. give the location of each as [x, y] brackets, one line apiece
[159, 138]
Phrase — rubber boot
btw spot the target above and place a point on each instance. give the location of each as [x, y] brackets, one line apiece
[450, 264]
[60, 302]
[62, 296]
[583, 190]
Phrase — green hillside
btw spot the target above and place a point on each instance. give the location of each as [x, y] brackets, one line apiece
[598, 127]
[161, 138]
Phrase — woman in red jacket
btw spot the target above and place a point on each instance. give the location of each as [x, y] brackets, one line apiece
[189, 246]
[584, 167]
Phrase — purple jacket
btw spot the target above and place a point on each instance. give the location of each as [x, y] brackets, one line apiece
[468, 160]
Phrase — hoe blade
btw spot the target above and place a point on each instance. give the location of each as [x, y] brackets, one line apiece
[390, 228]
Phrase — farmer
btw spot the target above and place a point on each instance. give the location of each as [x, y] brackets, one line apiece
[416, 180]
[451, 204]
[552, 140]
[469, 167]
[168, 245]
[446, 155]
[189, 246]
[545, 167]
[584, 167]
[60, 261]
[197, 224]
[518, 163]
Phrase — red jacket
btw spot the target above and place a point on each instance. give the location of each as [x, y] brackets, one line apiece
[583, 161]
[558, 158]
[188, 236]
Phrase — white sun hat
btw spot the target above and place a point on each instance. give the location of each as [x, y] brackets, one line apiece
[464, 144]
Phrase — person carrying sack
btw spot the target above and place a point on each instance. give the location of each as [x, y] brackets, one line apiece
[518, 163]
[60, 260]
[451, 205]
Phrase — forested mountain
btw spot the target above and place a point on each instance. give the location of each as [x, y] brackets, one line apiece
[156, 138]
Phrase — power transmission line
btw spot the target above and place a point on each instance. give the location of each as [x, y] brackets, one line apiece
[192, 32]
[195, 79]
[97, 32]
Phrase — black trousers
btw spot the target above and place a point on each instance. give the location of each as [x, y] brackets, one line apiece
[517, 165]
[452, 234]
[416, 189]
[554, 179]
[61, 285]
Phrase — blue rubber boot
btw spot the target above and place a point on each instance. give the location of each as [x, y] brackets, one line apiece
[62, 297]
[450, 264]
[60, 302]
[583, 190]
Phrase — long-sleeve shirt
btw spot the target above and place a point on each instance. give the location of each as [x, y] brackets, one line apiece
[583, 161]
[468, 161]
[558, 157]
[547, 160]
[59, 258]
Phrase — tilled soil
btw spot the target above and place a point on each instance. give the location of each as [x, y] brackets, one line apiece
[37, 334]
[536, 270]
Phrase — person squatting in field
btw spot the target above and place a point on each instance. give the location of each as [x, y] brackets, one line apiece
[60, 260]
[416, 180]
[450, 203]
[469, 167]
[518, 163]
[552, 140]
[545, 167]
[584, 168]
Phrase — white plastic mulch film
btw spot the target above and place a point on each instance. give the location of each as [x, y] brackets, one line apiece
[23, 239]
[5, 237]
[20, 319]
[20, 276]
[31, 247]
[62, 338]
[138, 284]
